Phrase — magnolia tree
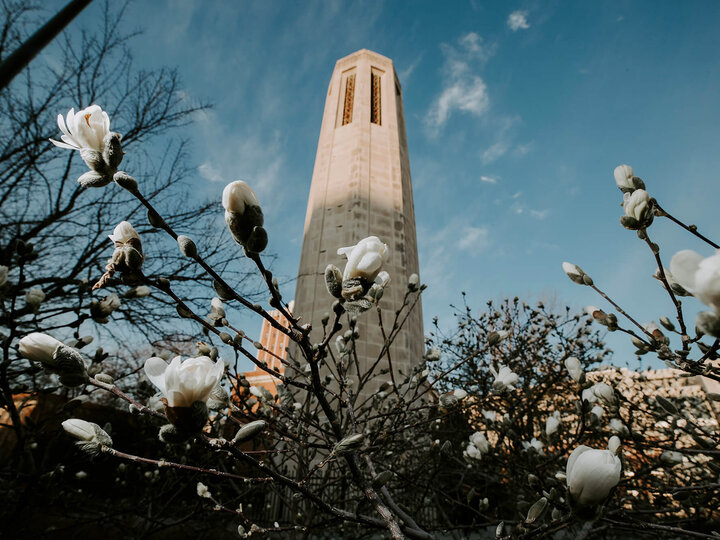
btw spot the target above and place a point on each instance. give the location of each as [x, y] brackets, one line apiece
[495, 418]
[540, 443]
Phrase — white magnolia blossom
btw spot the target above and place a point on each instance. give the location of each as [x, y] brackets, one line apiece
[623, 176]
[237, 196]
[34, 297]
[603, 391]
[85, 129]
[589, 396]
[574, 368]
[637, 205]
[3, 275]
[365, 259]
[478, 446]
[592, 474]
[552, 423]
[535, 445]
[698, 276]
[616, 426]
[670, 457]
[597, 410]
[504, 378]
[39, 347]
[184, 383]
[489, 415]
[123, 233]
[460, 393]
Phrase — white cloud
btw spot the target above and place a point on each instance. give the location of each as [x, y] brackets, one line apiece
[463, 90]
[404, 75]
[466, 94]
[488, 179]
[517, 195]
[473, 238]
[539, 214]
[494, 152]
[518, 20]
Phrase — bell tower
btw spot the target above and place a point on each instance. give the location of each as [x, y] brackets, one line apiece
[361, 187]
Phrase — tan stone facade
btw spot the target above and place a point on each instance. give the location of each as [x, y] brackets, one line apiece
[275, 345]
[361, 187]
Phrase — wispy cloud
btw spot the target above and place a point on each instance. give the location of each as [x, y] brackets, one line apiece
[464, 89]
[539, 214]
[517, 20]
[404, 75]
[473, 239]
[494, 152]
[489, 179]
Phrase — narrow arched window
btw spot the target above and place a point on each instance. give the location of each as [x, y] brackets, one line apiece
[375, 104]
[349, 98]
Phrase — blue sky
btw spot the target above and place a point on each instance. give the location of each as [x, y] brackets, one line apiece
[516, 114]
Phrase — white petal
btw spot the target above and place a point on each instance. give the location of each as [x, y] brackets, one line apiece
[683, 267]
[155, 369]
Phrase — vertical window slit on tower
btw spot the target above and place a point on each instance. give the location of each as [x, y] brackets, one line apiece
[375, 105]
[349, 98]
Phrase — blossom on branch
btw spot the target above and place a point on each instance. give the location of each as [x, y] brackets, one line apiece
[185, 382]
[244, 216]
[698, 276]
[39, 347]
[365, 259]
[89, 132]
[504, 379]
[592, 474]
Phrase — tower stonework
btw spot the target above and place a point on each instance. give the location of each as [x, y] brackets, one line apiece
[361, 187]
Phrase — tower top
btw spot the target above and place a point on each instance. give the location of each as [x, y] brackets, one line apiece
[371, 57]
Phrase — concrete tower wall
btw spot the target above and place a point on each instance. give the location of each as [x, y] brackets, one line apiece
[361, 187]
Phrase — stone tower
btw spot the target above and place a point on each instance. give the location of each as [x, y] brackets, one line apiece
[361, 187]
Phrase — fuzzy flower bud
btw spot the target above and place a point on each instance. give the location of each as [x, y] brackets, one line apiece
[39, 348]
[637, 205]
[34, 297]
[100, 311]
[86, 432]
[244, 216]
[128, 254]
[3, 275]
[576, 274]
[552, 423]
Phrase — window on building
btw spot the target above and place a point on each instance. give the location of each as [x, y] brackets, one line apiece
[349, 98]
[375, 105]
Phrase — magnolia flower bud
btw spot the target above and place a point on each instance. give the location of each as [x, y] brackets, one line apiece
[552, 423]
[605, 392]
[536, 510]
[243, 213]
[413, 282]
[333, 280]
[3, 275]
[138, 292]
[670, 457]
[576, 274]
[128, 254]
[349, 444]
[575, 369]
[637, 206]
[616, 426]
[249, 431]
[187, 246]
[34, 297]
[99, 311]
[597, 411]
[93, 179]
[87, 432]
[125, 181]
[39, 348]
[700, 277]
[623, 177]
[592, 474]
[112, 150]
